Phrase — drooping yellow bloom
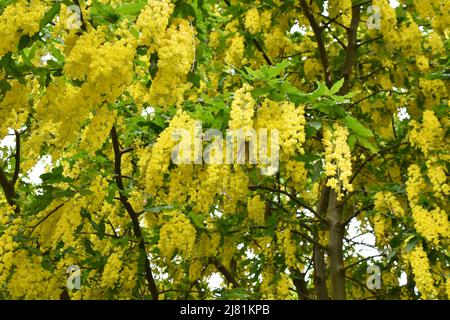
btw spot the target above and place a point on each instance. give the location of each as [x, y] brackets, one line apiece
[288, 119]
[176, 235]
[98, 130]
[421, 270]
[428, 135]
[155, 164]
[111, 272]
[14, 108]
[297, 173]
[176, 53]
[256, 209]
[255, 21]
[153, 20]
[235, 52]
[242, 109]
[433, 224]
[387, 202]
[19, 19]
[338, 166]
[284, 238]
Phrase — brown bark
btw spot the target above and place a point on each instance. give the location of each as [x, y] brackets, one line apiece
[336, 229]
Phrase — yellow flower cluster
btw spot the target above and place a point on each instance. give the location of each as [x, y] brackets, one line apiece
[242, 109]
[14, 107]
[275, 287]
[288, 119]
[340, 10]
[234, 189]
[210, 181]
[284, 239]
[338, 166]
[407, 38]
[255, 22]
[433, 224]
[111, 272]
[421, 270]
[428, 135]
[415, 184]
[153, 20]
[95, 134]
[181, 178]
[256, 210]
[387, 202]
[381, 227]
[177, 236]
[296, 173]
[312, 68]
[176, 53]
[235, 52]
[106, 67]
[277, 42]
[433, 90]
[154, 165]
[438, 178]
[207, 245]
[422, 63]
[30, 281]
[434, 42]
[19, 19]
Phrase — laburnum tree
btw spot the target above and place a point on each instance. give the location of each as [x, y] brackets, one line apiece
[94, 91]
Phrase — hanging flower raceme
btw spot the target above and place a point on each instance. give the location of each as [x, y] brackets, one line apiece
[242, 109]
[19, 19]
[177, 235]
[338, 166]
[428, 135]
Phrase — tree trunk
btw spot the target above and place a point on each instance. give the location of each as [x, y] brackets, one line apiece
[336, 230]
[320, 279]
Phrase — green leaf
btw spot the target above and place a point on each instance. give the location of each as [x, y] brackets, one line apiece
[49, 15]
[197, 220]
[352, 141]
[319, 92]
[131, 9]
[336, 87]
[103, 13]
[275, 70]
[411, 242]
[366, 144]
[24, 42]
[307, 157]
[354, 125]
[101, 230]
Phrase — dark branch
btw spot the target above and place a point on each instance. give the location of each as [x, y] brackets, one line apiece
[293, 198]
[133, 215]
[17, 158]
[46, 217]
[318, 34]
[228, 276]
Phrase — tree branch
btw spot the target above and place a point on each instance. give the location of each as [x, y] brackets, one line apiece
[228, 276]
[17, 158]
[362, 260]
[134, 217]
[46, 217]
[350, 53]
[293, 198]
[318, 34]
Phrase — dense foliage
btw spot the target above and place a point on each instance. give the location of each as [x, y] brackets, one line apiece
[94, 91]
